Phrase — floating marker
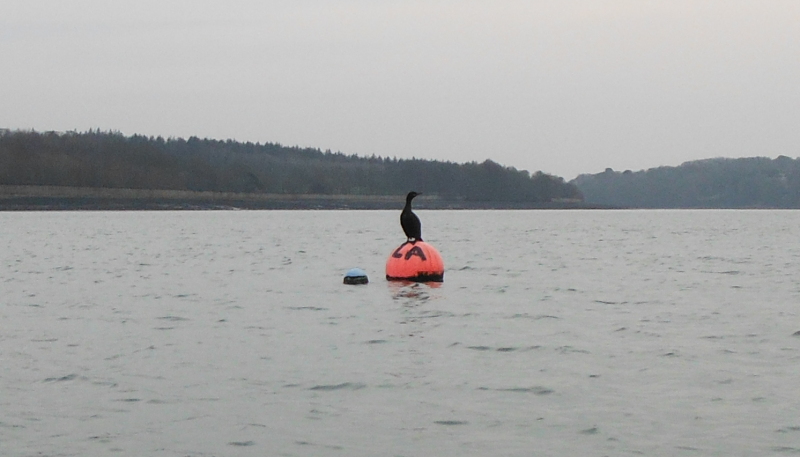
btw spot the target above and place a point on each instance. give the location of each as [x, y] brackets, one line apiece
[417, 261]
[356, 276]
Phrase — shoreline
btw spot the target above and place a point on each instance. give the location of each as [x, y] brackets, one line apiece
[53, 198]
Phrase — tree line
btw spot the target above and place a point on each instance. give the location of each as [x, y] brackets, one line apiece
[756, 182]
[113, 160]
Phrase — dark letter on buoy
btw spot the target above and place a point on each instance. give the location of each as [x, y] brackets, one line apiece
[396, 254]
[417, 252]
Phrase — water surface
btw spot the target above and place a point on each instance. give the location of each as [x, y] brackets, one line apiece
[555, 333]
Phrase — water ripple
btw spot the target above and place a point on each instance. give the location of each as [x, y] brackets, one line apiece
[242, 443]
[68, 377]
[343, 386]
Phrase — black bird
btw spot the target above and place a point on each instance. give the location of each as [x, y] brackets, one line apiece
[410, 222]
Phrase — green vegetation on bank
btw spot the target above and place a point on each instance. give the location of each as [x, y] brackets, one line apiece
[97, 159]
[757, 182]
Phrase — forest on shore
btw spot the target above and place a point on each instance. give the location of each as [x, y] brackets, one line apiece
[756, 182]
[102, 170]
[110, 160]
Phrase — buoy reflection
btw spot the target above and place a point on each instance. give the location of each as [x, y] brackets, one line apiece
[413, 293]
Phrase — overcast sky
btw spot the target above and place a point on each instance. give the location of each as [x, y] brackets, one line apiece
[566, 87]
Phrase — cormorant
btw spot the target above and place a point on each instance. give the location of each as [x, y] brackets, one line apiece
[410, 222]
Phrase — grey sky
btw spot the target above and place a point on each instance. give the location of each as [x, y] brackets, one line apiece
[564, 86]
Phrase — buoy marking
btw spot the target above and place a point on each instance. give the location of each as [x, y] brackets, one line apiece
[415, 251]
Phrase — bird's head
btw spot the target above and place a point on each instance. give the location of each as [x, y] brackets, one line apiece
[411, 195]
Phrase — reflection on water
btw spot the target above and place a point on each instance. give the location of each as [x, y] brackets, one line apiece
[413, 293]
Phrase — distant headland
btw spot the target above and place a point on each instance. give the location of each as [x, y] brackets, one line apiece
[754, 182]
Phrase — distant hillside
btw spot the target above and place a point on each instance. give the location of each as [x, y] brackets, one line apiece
[110, 160]
[757, 182]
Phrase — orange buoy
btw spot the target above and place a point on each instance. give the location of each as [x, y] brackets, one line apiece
[415, 261]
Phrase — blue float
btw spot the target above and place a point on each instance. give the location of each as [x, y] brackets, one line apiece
[356, 276]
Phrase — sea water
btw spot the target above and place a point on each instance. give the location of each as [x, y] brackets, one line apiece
[555, 333]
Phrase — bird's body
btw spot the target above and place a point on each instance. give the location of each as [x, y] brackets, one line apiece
[410, 222]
